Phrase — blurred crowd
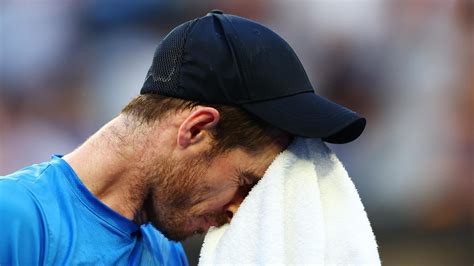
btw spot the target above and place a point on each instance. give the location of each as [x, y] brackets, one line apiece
[67, 67]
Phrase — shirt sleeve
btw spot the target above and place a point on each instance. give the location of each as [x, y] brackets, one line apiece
[22, 234]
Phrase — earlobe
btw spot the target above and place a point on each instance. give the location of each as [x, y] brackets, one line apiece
[196, 126]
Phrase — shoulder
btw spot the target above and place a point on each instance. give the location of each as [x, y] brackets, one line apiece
[27, 174]
[16, 196]
[20, 191]
[19, 207]
[23, 228]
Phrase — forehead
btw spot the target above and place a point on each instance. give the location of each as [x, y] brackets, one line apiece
[246, 164]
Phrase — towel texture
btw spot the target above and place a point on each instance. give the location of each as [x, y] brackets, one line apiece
[305, 210]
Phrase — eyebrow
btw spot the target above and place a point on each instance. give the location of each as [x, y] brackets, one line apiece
[248, 177]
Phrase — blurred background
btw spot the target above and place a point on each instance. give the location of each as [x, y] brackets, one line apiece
[68, 67]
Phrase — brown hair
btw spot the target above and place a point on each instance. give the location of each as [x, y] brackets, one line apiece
[236, 127]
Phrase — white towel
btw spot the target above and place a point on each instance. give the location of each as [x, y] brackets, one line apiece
[305, 210]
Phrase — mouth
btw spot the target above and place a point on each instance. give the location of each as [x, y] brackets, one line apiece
[206, 222]
[199, 232]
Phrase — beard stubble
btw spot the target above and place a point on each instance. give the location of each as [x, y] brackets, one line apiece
[175, 188]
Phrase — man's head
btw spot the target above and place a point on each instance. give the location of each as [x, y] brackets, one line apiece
[228, 94]
[211, 155]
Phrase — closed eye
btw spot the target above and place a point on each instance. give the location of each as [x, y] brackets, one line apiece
[247, 177]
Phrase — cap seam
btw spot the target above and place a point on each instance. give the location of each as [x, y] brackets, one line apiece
[234, 54]
[231, 51]
[274, 98]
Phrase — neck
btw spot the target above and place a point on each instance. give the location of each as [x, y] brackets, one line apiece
[110, 165]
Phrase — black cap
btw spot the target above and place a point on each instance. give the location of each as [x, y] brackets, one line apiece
[227, 59]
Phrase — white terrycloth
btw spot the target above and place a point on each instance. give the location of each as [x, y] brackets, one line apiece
[305, 210]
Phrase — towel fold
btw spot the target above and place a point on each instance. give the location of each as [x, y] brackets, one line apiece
[305, 210]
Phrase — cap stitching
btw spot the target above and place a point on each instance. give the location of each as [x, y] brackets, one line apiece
[234, 53]
[277, 97]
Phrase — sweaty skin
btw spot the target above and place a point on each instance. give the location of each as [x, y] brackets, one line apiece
[163, 173]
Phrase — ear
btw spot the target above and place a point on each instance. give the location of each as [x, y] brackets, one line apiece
[196, 126]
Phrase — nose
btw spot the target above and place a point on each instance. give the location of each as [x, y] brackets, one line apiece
[231, 208]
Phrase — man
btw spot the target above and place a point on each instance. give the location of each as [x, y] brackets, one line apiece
[224, 95]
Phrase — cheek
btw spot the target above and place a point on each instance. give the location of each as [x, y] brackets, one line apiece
[220, 187]
[218, 199]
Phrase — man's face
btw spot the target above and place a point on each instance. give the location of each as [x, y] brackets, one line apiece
[187, 197]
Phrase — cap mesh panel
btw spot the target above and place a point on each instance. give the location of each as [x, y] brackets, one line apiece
[163, 75]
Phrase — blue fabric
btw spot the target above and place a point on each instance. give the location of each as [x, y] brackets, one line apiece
[48, 217]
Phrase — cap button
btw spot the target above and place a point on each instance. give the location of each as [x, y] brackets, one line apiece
[217, 11]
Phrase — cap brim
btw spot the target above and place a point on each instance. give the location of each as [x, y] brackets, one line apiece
[310, 115]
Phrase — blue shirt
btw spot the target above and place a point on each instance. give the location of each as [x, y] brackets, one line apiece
[48, 217]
